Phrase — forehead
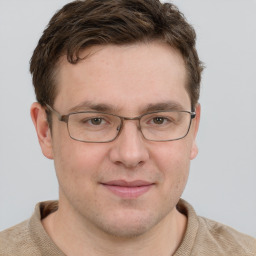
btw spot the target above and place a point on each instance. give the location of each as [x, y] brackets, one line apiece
[124, 77]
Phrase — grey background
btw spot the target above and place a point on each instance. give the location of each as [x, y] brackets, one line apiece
[222, 179]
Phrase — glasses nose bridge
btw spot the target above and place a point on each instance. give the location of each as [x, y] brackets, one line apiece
[137, 118]
[131, 118]
[124, 118]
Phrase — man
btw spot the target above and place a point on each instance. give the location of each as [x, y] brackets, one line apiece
[117, 85]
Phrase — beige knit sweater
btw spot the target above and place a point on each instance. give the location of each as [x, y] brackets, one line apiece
[202, 237]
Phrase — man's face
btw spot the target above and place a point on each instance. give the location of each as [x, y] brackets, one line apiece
[99, 181]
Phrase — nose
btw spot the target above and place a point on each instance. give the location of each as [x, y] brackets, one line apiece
[129, 147]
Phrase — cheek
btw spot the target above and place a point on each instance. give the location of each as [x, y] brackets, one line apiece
[173, 154]
[173, 160]
[77, 163]
[76, 169]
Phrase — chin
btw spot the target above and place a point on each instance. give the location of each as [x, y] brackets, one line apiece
[129, 225]
[125, 231]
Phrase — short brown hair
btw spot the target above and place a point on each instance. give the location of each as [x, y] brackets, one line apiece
[85, 23]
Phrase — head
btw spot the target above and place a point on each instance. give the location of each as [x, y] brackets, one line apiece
[82, 24]
[125, 58]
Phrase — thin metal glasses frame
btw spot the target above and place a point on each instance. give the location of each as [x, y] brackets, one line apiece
[65, 118]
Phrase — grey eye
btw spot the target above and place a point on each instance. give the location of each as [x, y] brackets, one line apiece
[96, 121]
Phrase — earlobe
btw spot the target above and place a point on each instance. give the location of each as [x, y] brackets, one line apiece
[194, 149]
[39, 119]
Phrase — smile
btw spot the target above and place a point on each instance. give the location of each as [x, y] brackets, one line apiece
[128, 190]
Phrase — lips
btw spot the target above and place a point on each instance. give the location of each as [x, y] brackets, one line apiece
[128, 189]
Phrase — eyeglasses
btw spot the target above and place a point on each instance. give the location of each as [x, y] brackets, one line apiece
[97, 127]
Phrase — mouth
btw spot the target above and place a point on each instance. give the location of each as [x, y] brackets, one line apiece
[131, 189]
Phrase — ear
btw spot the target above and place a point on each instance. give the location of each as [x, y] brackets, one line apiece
[195, 125]
[39, 119]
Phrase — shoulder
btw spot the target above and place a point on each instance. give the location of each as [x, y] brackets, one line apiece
[211, 238]
[224, 239]
[29, 237]
[16, 241]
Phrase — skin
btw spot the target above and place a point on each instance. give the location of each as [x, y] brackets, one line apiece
[91, 219]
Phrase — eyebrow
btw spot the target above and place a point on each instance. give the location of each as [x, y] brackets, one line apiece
[88, 105]
[108, 108]
[164, 106]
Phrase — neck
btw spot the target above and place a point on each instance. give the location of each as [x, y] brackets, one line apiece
[75, 236]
